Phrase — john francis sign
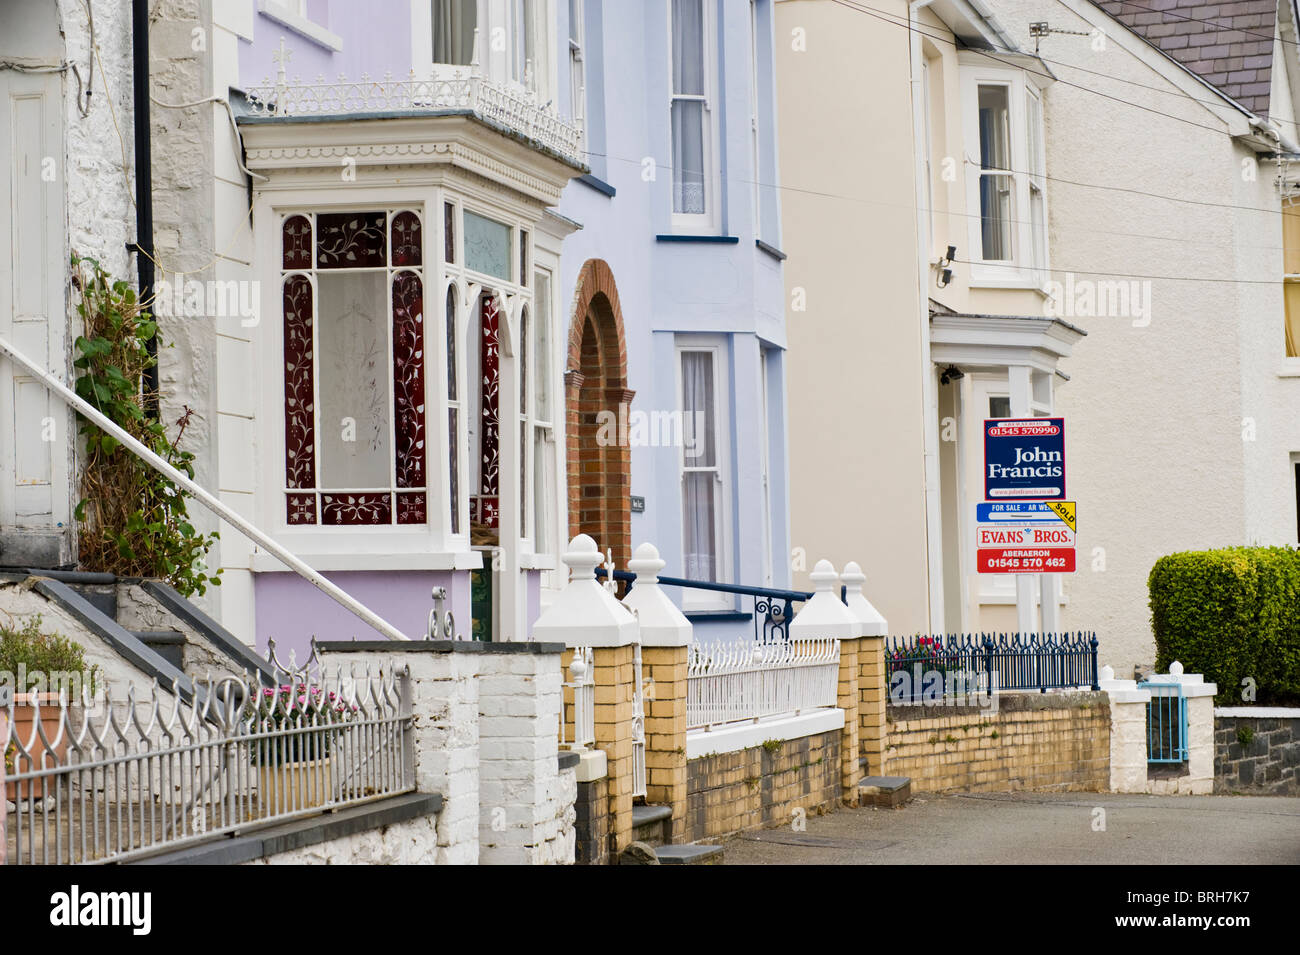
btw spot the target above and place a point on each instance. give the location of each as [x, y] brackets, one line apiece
[1024, 459]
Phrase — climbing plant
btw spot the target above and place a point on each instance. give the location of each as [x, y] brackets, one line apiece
[133, 522]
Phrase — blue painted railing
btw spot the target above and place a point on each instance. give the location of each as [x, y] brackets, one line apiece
[1166, 723]
[1029, 661]
[773, 608]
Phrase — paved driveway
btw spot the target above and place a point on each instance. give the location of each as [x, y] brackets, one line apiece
[1052, 828]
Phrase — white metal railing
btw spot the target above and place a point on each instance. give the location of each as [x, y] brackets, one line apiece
[208, 500]
[749, 681]
[582, 711]
[114, 780]
[515, 108]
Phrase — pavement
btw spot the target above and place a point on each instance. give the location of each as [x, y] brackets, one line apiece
[1038, 828]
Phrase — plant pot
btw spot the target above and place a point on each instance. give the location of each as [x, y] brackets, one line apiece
[287, 787]
[25, 730]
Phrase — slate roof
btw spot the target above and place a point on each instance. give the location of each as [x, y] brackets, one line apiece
[1230, 45]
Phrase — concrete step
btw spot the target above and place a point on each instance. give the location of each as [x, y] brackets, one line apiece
[689, 855]
[100, 590]
[884, 791]
[649, 822]
[168, 644]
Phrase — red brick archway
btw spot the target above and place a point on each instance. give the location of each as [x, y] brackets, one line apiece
[599, 472]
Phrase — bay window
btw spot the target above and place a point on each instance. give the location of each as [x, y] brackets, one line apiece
[1006, 177]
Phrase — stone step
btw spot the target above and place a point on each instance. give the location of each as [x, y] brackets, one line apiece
[168, 644]
[649, 822]
[885, 791]
[689, 855]
[100, 590]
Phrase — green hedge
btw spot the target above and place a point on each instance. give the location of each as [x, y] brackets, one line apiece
[1231, 614]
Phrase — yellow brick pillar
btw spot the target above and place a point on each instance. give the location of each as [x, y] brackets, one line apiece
[665, 638]
[612, 672]
[872, 694]
[585, 614]
[850, 771]
[665, 727]
[872, 689]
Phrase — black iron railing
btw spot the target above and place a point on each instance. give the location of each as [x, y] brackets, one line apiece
[773, 608]
[930, 665]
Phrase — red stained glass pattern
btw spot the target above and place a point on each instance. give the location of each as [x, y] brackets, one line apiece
[299, 398]
[297, 243]
[351, 240]
[489, 445]
[343, 509]
[407, 239]
[408, 378]
[485, 509]
[412, 508]
[301, 508]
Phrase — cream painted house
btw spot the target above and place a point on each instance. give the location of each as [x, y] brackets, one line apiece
[1087, 223]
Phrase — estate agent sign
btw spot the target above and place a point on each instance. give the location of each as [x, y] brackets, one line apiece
[1025, 525]
[1024, 459]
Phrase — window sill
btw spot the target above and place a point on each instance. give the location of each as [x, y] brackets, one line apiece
[1009, 600]
[688, 237]
[1015, 282]
[771, 250]
[263, 563]
[716, 616]
[537, 561]
[1290, 368]
[600, 185]
[300, 25]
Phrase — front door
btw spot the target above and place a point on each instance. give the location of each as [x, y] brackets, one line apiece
[35, 465]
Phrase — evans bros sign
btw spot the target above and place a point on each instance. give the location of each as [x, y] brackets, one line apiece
[1024, 459]
[1024, 537]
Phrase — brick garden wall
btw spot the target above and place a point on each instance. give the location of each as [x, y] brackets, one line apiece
[1034, 741]
[761, 786]
[1257, 755]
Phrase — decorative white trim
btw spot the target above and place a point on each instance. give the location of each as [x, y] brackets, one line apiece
[732, 739]
[513, 108]
[1260, 712]
[281, 14]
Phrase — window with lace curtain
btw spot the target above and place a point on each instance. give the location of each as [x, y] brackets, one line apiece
[702, 388]
[691, 114]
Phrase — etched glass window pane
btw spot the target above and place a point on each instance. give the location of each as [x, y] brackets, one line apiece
[351, 240]
[487, 246]
[355, 381]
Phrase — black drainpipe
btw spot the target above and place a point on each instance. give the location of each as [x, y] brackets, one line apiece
[143, 247]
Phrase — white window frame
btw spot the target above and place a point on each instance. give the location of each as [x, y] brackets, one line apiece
[1021, 271]
[708, 221]
[293, 15]
[716, 346]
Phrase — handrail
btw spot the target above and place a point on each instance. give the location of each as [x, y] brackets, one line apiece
[742, 589]
[249, 530]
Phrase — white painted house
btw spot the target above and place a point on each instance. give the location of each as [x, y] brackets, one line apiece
[1116, 220]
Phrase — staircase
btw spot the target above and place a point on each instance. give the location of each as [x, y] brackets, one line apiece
[157, 634]
[650, 825]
